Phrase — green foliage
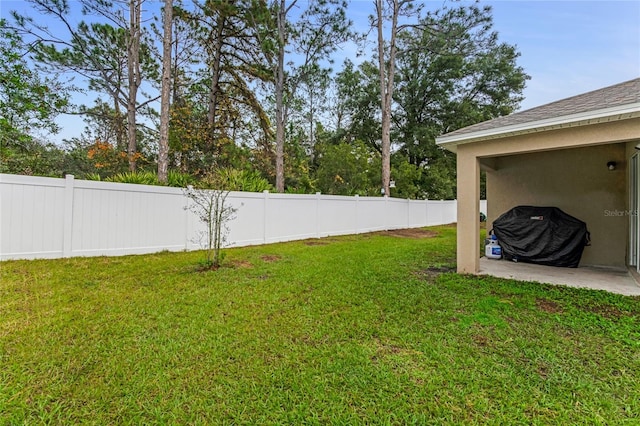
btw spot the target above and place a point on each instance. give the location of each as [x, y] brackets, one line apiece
[175, 178]
[407, 178]
[240, 180]
[451, 71]
[138, 177]
[351, 330]
[27, 156]
[447, 79]
[348, 169]
[28, 101]
[358, 104]
[93, 176]
[112, 59]
[180, 180]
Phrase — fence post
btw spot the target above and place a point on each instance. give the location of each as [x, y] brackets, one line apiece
[264, 216]
[455, 211]
[426, 212]
[318, 214]
[67, 224]
[187, 212]
[357, 229]
[385, 224]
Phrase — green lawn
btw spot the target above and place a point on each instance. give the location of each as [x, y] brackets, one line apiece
[361, 329]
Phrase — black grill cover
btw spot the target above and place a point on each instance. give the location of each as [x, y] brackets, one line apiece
[542, 235]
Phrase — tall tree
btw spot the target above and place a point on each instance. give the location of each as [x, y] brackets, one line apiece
[452, 72]
[318, 31]
[165, 96]
[388, 10]
[358, 103]
[111, 56]
[29, 103]
[281, 117]
[230, 53]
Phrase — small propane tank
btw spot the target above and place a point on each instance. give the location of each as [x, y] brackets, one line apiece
[493, 250]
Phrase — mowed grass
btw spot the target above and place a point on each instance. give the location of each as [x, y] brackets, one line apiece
[363, 329]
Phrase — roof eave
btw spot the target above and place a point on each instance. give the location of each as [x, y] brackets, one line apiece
[621, 112]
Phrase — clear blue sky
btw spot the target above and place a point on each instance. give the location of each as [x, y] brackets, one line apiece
[567, 47]
[571, 47]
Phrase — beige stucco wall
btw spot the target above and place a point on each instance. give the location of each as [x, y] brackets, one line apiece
[598, 189]
[577, 181]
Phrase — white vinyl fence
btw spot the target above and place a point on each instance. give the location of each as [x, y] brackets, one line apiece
[54, 218]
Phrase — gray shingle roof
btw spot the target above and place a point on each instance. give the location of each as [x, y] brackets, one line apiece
[617, 95]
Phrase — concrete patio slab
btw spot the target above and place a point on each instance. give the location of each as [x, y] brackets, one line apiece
[613, 280]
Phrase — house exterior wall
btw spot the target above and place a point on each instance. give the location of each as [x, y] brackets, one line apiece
[489, 152]
[575, 180]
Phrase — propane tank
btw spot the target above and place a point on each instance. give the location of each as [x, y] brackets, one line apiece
[492, 249]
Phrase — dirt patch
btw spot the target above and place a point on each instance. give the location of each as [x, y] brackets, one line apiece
[549, 306]
[241, 264]
[270, 258]
[409, 233]
[440, 269]
[384, 350]
[315, 243]
[543, 371]
[606, 311]
[431, 273]
[207, 268]
[480, 340]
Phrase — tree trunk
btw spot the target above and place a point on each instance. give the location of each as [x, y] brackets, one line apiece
[386, 89]
[215, 78]
[311, 122]
[134, 78]
[280, 116]
[118, 125]
[163, 149]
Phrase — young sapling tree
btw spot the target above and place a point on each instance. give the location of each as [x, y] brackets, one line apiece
[213, 210]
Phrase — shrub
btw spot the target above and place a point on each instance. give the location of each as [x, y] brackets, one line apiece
[240, 180]
[180, 180]
[141, 178]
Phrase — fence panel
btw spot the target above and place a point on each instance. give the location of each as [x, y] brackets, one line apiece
[116, 218]
[397, 214]
[290, 217]
[52, 218]
[372, 214]
[417, 213]
[32, 216]
[248, 225]
[337, 215]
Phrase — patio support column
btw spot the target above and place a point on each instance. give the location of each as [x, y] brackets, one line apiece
[468, 168]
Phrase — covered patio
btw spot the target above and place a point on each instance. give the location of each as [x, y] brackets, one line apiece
[580, 154]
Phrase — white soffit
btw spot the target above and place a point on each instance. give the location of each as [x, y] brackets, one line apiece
[620, 112]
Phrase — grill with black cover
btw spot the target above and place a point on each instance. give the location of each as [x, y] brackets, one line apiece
[542, 235]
